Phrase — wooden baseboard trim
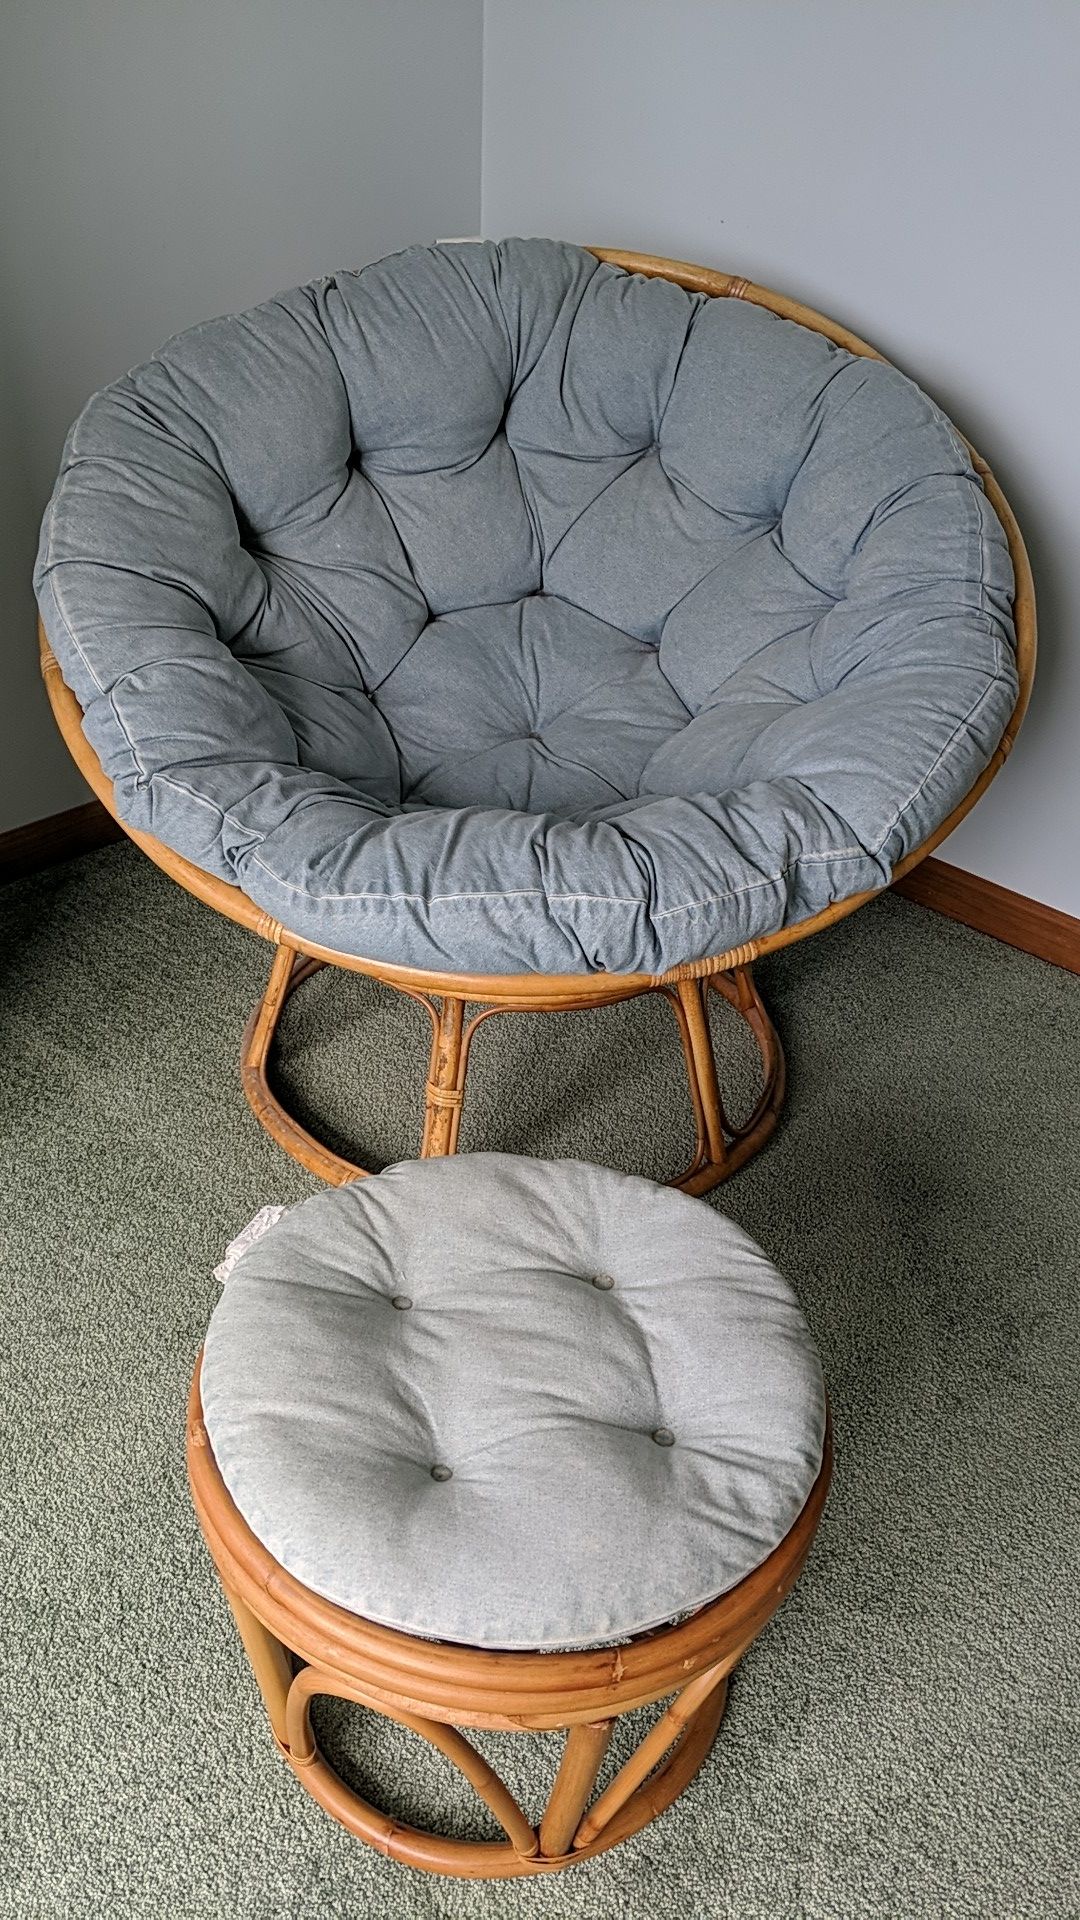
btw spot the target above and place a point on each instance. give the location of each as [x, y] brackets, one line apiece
[982, 904]
[41, 843]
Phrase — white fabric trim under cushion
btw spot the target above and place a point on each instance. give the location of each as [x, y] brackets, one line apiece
[260, 1223]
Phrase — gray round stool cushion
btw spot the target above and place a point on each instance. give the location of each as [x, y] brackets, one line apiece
[515, 1403]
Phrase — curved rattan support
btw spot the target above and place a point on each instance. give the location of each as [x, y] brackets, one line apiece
[686, 1743]
[301, 1646]
[303, 1751]
[550, 991]
[719, 1146]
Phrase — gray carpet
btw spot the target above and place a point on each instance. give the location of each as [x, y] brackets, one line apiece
[901, 1741]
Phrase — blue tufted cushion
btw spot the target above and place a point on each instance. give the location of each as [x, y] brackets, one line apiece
[492, 609]
[512, 1403]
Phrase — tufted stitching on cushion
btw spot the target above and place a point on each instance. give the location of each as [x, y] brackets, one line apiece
[768, 880]
[636, 847]
[637, 454]
[58, 603]
[957, 735]
[542, 1396]
[114, 708]
[520, 893]
[695, 314]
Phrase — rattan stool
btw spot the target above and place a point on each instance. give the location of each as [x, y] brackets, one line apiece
[302, 1643]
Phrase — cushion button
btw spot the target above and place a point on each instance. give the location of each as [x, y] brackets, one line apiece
[604, 1281]
[442, 1473]
[401, 1301]
[663, 1436]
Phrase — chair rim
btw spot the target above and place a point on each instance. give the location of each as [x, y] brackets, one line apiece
[597, 988]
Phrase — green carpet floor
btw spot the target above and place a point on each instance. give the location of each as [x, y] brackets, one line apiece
[902, 1741]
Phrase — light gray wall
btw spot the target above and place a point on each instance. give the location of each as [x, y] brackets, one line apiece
[912, 169]
[165, 160]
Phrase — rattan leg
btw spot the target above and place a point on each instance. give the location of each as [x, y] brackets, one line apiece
[287, 973]
[446, 1081]
[701, 1062]
[671, 1727]
[271, 1663]
[721, 1146]
[304, 1754]
[586, 1745]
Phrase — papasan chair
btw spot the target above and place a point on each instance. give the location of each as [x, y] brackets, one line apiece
[531, 626]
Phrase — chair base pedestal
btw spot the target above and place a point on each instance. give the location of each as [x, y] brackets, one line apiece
[720, 1148]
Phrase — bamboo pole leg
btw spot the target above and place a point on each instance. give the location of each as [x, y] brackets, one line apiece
[586, 1745]
[662, 1788]
[738, 988]
[701, 1151]
[669, 1729]
[270, 1662]
[288, 972]
[701, 1066]
[446, 1081]
[263, 1023]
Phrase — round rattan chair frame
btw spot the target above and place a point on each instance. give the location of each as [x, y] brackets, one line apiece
[721, 1147]
[301, 1646]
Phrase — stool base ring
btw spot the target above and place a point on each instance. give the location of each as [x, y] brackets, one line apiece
[503, 1859]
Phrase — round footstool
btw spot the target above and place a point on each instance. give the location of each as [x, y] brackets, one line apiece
[494, 1442]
